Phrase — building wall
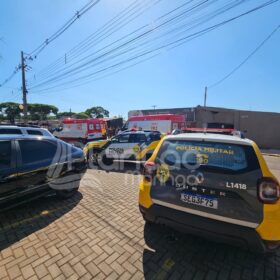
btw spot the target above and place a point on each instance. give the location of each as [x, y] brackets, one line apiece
[262, 127]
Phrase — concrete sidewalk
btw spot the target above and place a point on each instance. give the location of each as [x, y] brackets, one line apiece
[271, 152]
[273, 163]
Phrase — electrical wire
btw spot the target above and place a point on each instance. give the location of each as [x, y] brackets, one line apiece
[76, 70]
[34, 54]
[170, 45]
[152, 29]
[247, 58]
[125, 17]
[11, 76]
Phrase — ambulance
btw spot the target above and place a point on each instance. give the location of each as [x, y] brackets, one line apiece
[82, 130]
[165, 123]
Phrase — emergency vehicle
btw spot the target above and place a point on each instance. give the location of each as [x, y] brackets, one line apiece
[216, 186]
[82, 130]
[131, 145]
[165, 123]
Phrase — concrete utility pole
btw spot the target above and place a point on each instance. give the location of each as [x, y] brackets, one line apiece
[205, 96]
[24, 91]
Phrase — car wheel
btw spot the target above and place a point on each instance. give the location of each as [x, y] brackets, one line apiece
[149, 222]
[64, 194]
[106, 161]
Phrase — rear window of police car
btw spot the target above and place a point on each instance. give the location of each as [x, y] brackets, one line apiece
[207, 155]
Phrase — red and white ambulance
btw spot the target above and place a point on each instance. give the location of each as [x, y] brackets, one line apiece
[165, 123]
[82, 130]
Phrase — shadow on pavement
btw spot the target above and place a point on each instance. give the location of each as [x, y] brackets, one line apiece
[19, 222]
[121, 167]
[173, 255]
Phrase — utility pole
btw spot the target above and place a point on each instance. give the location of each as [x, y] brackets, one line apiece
[205, 96]
[205, 117]
[24, 91]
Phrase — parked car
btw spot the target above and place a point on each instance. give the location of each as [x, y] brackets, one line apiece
[216, 186]
[129, 145]
[24, 130]
[33, 166]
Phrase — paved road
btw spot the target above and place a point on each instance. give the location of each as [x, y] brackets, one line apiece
[100, 234]
[274, 164]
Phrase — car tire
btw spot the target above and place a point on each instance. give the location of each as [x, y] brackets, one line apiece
[106, 161]
[149, 222]
[65, 194]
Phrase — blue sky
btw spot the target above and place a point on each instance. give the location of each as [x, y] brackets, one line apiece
[175, 78]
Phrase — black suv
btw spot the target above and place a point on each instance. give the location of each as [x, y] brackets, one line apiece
[33, 166]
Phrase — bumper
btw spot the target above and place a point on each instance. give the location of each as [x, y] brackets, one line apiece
[207, 228]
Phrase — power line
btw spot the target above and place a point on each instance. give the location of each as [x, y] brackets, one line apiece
[152, 29]
[33, 55]
[247, 58]
[104, 48]
[60, 31]
[11, 76]
[56, 69]
[126, 16]
[172, 44]
[168, 45]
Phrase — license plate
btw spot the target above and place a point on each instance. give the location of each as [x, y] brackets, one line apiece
[201, 200]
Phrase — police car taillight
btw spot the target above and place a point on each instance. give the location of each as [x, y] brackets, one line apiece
[149, 170]
[269, 191]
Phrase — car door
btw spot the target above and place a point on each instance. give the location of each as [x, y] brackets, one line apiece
[36, 157]
[8, 172]
[120, 147]
[139, 141]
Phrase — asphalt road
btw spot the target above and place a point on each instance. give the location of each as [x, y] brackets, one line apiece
[274, 164]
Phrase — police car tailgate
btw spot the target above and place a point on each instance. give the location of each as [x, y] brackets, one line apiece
[213, 180]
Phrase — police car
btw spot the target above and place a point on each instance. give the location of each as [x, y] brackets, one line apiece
[129, 145]
[217, 186]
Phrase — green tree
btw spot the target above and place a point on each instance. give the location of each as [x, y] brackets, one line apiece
[66, 115]
[41, 111]
[10, 111]
[82, 115]
[97, 112]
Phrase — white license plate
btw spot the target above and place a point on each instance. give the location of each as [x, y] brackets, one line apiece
[201, 200]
